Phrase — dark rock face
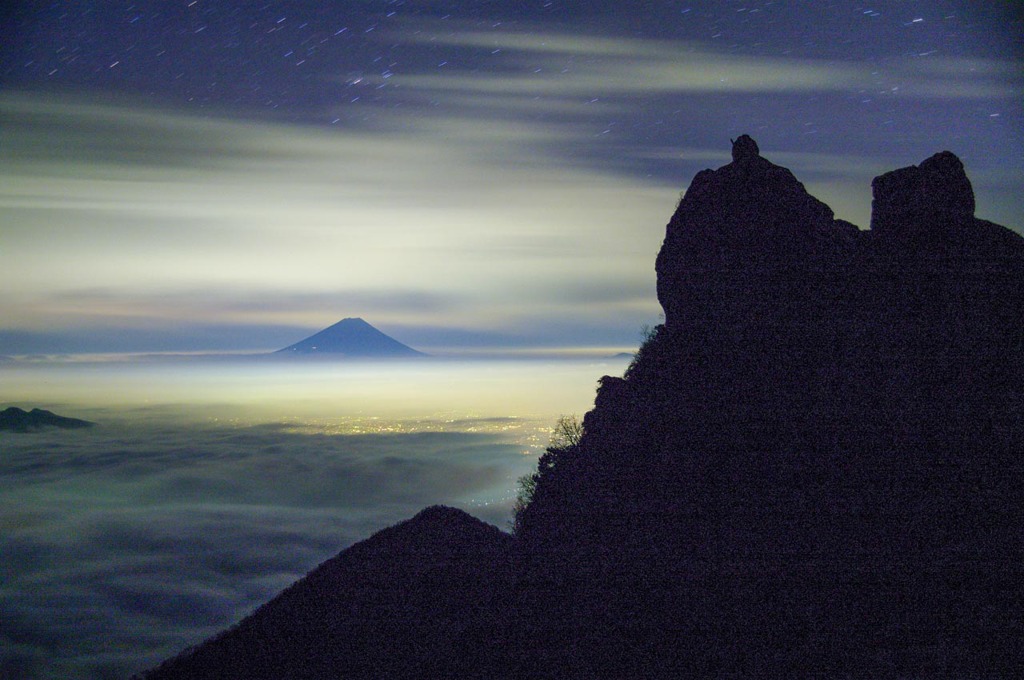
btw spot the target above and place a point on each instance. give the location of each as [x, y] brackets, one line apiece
[812, 469]
[14, 419]
[931, 195]
[814, 466]
[805, 322]
[744, 147]
[752, 220]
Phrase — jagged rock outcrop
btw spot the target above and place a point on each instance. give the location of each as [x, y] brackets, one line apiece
[825, 416]
[812, 469]
[922, 197]
[801, 320]
[749, 221]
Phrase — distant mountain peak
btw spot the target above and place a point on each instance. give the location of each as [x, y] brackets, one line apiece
[351, 337]
[14, 419]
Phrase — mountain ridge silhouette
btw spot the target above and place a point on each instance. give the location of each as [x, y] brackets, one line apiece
[14, 419]
[811, 469]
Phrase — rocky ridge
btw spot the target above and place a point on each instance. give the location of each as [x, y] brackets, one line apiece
[812, 469]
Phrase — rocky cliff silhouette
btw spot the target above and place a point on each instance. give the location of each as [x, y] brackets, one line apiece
[811, 469]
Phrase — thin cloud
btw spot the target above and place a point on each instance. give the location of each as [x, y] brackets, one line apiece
[565, 65]
[436, 222]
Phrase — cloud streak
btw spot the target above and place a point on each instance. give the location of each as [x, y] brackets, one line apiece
[564, 65]
[399, 230]
[466, 183]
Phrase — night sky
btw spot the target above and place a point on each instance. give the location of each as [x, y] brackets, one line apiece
[192, 175]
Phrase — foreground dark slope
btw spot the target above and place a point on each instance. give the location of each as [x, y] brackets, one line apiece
[812, 468]
[376, 610]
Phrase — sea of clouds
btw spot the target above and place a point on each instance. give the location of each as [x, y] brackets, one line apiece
[125, 543]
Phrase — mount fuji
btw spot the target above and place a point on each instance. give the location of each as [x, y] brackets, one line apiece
[351, 337]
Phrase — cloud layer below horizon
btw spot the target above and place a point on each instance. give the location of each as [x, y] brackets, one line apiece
[123, 546]
[207, 487]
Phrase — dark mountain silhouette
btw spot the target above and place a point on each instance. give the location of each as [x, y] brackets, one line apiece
[351, 337]
[14, 419]
[812, 469]
[383, 606]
